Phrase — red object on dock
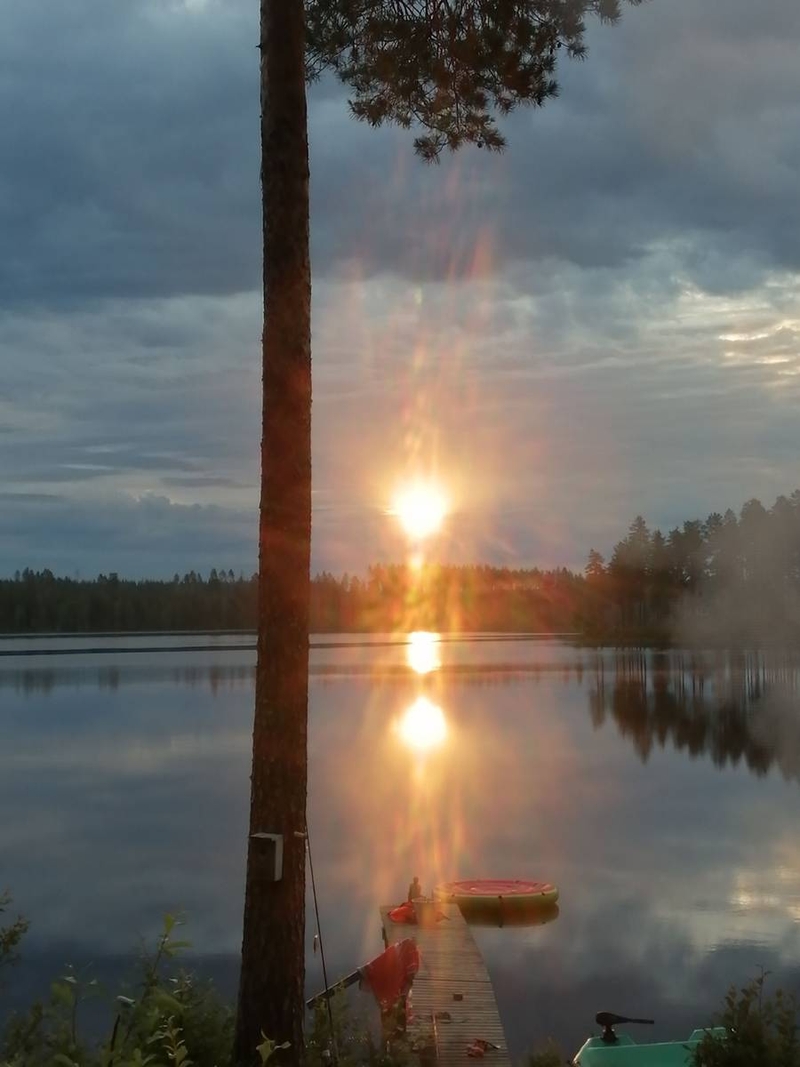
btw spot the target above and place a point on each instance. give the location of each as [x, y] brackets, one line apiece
[390, 975]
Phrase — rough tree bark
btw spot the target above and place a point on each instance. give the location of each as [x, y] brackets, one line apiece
[273, 968]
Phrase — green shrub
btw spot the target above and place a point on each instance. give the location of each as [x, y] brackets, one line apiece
[10, 936]
[549, 1055]
[170, 1021]
[760, 1031]
[355, 1044]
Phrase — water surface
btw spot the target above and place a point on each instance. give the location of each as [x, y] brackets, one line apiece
[660, 792]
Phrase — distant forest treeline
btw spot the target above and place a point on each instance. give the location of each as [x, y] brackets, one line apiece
[727, 579]
[391, 598]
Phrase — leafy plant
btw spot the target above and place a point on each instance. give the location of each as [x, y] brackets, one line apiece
[759, 1031]
[548, 1056]
[351, 1041]
[267, 1049]
[172, 1020]
[10, 936]
[167, 1018]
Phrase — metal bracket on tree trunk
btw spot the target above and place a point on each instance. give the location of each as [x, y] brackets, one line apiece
[271, 849]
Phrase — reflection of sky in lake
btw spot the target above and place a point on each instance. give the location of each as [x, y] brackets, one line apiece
[123, 787]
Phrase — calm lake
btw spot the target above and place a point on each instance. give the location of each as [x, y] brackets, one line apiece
[660, 792]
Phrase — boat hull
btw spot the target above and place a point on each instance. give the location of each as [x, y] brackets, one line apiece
[624, 1052]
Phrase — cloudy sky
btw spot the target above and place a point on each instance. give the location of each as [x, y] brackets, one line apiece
[605, 320]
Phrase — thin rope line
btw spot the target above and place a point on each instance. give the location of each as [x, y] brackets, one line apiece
[322, 950]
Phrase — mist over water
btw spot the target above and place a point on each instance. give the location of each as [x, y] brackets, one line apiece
[739, 615]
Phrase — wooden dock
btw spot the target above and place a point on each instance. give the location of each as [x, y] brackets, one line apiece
[452, 998]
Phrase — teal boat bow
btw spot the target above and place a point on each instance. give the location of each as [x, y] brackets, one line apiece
[620, 1050]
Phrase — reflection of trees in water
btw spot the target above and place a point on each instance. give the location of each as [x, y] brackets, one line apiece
[471, 674]
[732, 707]
[32, 680]
[215, 677]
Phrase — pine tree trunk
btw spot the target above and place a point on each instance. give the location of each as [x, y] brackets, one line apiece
[273, 967]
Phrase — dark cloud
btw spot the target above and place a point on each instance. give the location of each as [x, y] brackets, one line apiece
[134, 162]
[682, 124]
[150, 535]
[134, 168]
[603, 320]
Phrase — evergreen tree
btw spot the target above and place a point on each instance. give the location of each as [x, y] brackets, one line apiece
[448, 68]
[694, 554]
[729, 557]
[595, 569]
[753, 537]
[658, 568]
[712, 534]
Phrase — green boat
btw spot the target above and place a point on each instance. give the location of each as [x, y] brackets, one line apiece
[610, 1049]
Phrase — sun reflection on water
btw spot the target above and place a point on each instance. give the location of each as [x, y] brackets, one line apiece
[423, 652]
[423, 727]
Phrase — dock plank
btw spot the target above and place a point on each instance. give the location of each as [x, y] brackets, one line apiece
[452, 979]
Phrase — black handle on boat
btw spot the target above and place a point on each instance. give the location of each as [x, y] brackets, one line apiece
[608, 1020]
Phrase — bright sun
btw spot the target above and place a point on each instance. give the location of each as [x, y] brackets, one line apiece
[421, 508]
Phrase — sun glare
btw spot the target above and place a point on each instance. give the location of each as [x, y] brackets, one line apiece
[423, 726]
[423, 652]
[421, 509]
